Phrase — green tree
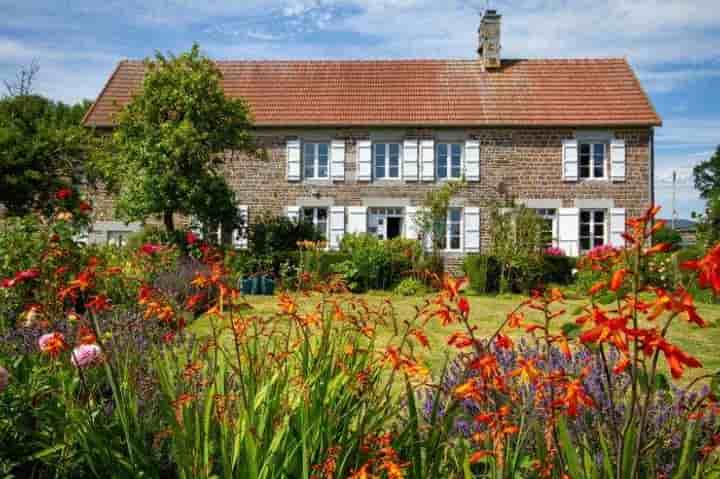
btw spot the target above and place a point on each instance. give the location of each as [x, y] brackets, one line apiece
[707, 176]
[42, 146]
[166, 154]
[431, 218]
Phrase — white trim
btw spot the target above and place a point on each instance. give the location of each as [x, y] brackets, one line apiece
[427, 160]
[617, 160]
[241, 241]
[570, 160]
[357, 219]
[472, 160]
[337, 160]
[617, 227]
[591, 160]
[410, 160]
[364, 160]
[471, 230]
[294, 168]
[336, 219]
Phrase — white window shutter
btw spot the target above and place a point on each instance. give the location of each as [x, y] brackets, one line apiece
[293, 213]
[293, 160]
[357, 219]
[239, 235]
[472, 160]
[337, 226]
[410, 160]
[411, 226]
[570, 160]
[364, 160]
[427, 159]
[472, 229]
[617, 160]
[617, 226]
[337, 162]
[196, 226]
[569, 231]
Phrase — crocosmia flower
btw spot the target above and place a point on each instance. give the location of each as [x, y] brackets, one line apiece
[554, 251]
[4, 379]
[52, 344]
[86, 355]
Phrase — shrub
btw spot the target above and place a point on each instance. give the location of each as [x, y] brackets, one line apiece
[476, 268]
[410, 287]
[373, 263]
[271, 234]
[558, 269]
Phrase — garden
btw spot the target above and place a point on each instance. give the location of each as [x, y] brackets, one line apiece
[147, 361]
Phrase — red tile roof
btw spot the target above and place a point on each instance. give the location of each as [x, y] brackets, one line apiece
[418, 92]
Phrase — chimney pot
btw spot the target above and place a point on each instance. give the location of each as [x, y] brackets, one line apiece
[489, 40]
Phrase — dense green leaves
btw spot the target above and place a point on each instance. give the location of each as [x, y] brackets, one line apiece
[167, 154]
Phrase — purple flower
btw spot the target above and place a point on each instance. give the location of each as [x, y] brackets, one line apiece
[86, 355]
[4, 378]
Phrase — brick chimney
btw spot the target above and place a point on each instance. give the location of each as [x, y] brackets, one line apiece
[489, 40]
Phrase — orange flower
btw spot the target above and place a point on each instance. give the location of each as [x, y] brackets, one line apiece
[52, 344]
[575, 396]
[421, 337]
[287, 305]
[708, 269]
[460, 340]
[527, 372]
[658, 248]
[452, 286]
[464, 306]
[478, 456]
[503, 342]
[86, 335]
[618, 279]
[98, 304]
[597, 287]
[621, 365]
[606, 329]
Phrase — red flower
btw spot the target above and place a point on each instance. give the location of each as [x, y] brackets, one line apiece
[574, 397]
[464, 306]
[191, 238]
[7, 283]
[150, 248]
[98, 304]
[168, 337]
[618, 279]
[27, 274]
[84, 207]
[708, 269]
[63, 194]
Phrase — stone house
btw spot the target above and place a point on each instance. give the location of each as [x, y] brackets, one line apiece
[355, 145]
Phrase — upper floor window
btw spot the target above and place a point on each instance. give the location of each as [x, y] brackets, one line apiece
[387, 160]
[315, 160]
[449, 160]
[592, 229]
[592, 160]
[319, 218]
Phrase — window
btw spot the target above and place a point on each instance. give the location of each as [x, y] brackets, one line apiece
[592, 229]
[118, 238]
[592, 160]
[319, 218]
[315, 160]
[449, 160]
[450, 233]
[385, 223]
[387, 160]
[549, 225]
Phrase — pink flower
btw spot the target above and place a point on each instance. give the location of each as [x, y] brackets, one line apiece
[52, 344]
[86, 355]
[554, 251]
[4, 379]
[27, 274]
[150, 248]
[7, 283]
[190, 238]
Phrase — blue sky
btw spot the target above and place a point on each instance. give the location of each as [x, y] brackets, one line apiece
[674, 46]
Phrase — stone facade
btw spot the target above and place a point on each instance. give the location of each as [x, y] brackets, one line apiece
[524, 164]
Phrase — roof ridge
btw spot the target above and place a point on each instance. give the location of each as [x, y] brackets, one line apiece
[407, 60]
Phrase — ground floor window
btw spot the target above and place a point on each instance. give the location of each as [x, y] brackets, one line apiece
[592, 229]
[319, 218]
[449, 234]
[118, 238]
[385, 223]
[548, 232]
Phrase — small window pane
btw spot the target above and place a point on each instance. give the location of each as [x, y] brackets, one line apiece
[322, 160]
[394, 161]
[584, 229]
[584, 244]
[585, 216]
[455, 161]
[442, 160]
[599, 216]
[599, 229]
[309, 159]
[455, 243]
[455, 214]
[322, 213]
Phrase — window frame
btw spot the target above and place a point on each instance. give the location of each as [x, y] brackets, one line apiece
[449, 168]
[386, 166]
[544, 214]
[315, 221]
[384, 212]
[593, 237]
[316, 160]
[448, 230]
[592, 144]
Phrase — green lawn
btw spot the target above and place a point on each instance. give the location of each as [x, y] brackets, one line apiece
[487, 312]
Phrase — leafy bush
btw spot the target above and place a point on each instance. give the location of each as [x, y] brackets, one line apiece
[558, 269]
[410, 287]
[272, 234]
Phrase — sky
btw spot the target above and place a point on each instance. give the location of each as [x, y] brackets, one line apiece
[674, 47]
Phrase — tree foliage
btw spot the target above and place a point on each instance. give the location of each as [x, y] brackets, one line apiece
[707, 176]
[432, 216]
[42, 145]
[167, 149]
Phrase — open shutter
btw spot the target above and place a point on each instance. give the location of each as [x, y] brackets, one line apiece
[570, 160]
[337, 163]
[293, 160]
[472, 160]
[293, 213]
[196, 226]
[427, 159]
[357, 219]
[617, 160]
[472, 229]
[337, 226]
[569, 231]
[411, 226]
[617, 226]
[239, 235]
[364, 160]
[410, 160]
